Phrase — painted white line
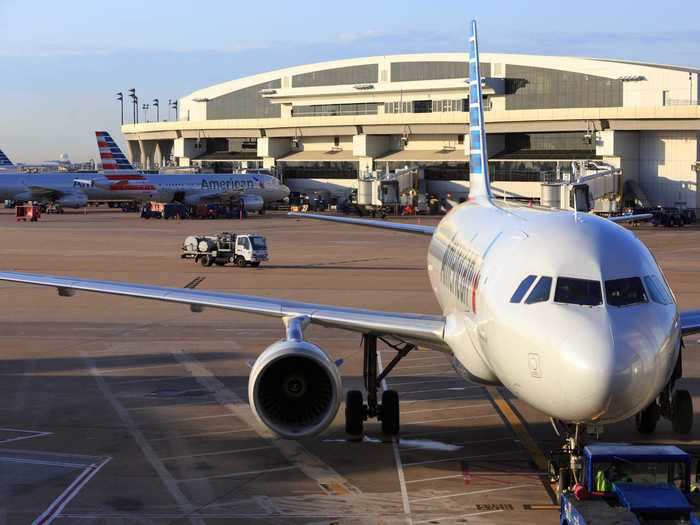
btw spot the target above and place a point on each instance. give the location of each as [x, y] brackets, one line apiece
[453, 517]
[425, 480]
[444, 367]
[119, 370]
[51, 513]
[460, 458]
[62, 464]
[184, 403]
[463, 443]
[220, 453]
[239, 474]
[446, 389]
[412, 383]
[397, 457]
[461, 407]
[443, 432]
[197, 418]
[148, 379]
[484, 491]
[451, 419]
[30, 435]
[202, 434]
[185, 504]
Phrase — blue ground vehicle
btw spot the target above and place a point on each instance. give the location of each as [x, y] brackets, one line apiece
[632, 485]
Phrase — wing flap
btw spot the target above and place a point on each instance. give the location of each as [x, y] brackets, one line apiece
[424, 329]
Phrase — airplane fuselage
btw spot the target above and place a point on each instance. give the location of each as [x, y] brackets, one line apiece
[164, 188]
[568, 352]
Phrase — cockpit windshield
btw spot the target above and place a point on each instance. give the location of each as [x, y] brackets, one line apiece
[578, 291]
[658, 292]
[624, 292]
[522, 289]
[540, 293]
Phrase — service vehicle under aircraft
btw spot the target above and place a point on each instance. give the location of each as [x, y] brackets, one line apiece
[568, 310]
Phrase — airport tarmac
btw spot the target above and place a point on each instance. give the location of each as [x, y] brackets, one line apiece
[129, 411]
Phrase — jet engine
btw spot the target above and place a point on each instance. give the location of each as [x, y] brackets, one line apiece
[295, 389]
[252, 203]
[73, 200]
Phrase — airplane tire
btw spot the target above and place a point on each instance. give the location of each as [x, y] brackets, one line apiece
[390, 413]
[647, 418]
[682, 412]
[354, 413]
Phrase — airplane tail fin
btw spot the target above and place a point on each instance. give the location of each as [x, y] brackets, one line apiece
[114, 164]
[479, 183]
[5, 162]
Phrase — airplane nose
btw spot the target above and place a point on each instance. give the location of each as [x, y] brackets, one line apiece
[611, 376]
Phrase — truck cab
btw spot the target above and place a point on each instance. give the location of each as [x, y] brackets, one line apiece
[631, 484]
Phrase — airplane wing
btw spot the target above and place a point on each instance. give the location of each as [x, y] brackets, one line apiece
[690, 322]
[629, 218]
[426, 330]
[43, 192]
[387, 225]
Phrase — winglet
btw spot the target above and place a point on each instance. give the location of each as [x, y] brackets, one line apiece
[5, 162]
[479, 184]
[114, 164]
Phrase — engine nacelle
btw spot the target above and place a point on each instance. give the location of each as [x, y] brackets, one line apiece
[295, 389]
[252, 202]
[73, 200]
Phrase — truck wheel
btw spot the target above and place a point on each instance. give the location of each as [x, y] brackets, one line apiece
[647, 418]
[240, 262]
[255, 264]
[682, 412]
[206, 260]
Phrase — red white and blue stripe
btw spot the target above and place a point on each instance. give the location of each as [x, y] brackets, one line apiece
[479, 186]
[114, 164]
[4, 161]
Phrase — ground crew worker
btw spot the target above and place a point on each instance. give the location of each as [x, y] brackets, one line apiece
[601, 482]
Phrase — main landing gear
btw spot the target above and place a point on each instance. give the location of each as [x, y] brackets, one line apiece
[357, 411]
[673, 404]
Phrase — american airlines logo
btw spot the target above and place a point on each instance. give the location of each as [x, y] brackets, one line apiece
[229, 184]
[460, 273]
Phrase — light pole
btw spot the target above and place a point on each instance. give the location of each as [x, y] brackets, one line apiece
[156, 104]
[145, 111]
[173, 105]
[134, 103]
[120, 98]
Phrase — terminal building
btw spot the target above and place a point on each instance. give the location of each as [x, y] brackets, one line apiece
[320, 126]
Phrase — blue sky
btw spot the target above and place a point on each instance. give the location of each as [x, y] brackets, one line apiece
[62, 62]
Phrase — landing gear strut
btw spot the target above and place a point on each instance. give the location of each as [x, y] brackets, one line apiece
[356, 411]
[566, 465]
[673, 404]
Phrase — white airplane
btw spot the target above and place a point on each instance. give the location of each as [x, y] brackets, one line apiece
[253, 189]
[567, 310]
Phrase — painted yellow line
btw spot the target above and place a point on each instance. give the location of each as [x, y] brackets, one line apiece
[519, 428]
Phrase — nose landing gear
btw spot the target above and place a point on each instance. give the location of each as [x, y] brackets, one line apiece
[356, 411]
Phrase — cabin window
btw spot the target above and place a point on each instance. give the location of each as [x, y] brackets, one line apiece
[578, 291]
[657, 291]
[522, 289]
[624, 292]
[540, 293]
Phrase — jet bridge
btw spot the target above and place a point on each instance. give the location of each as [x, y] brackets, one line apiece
[590, 186]
[392, 189]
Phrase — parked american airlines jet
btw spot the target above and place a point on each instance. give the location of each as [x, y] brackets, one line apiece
[567, 310]
[64, 188]
[254, 189]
